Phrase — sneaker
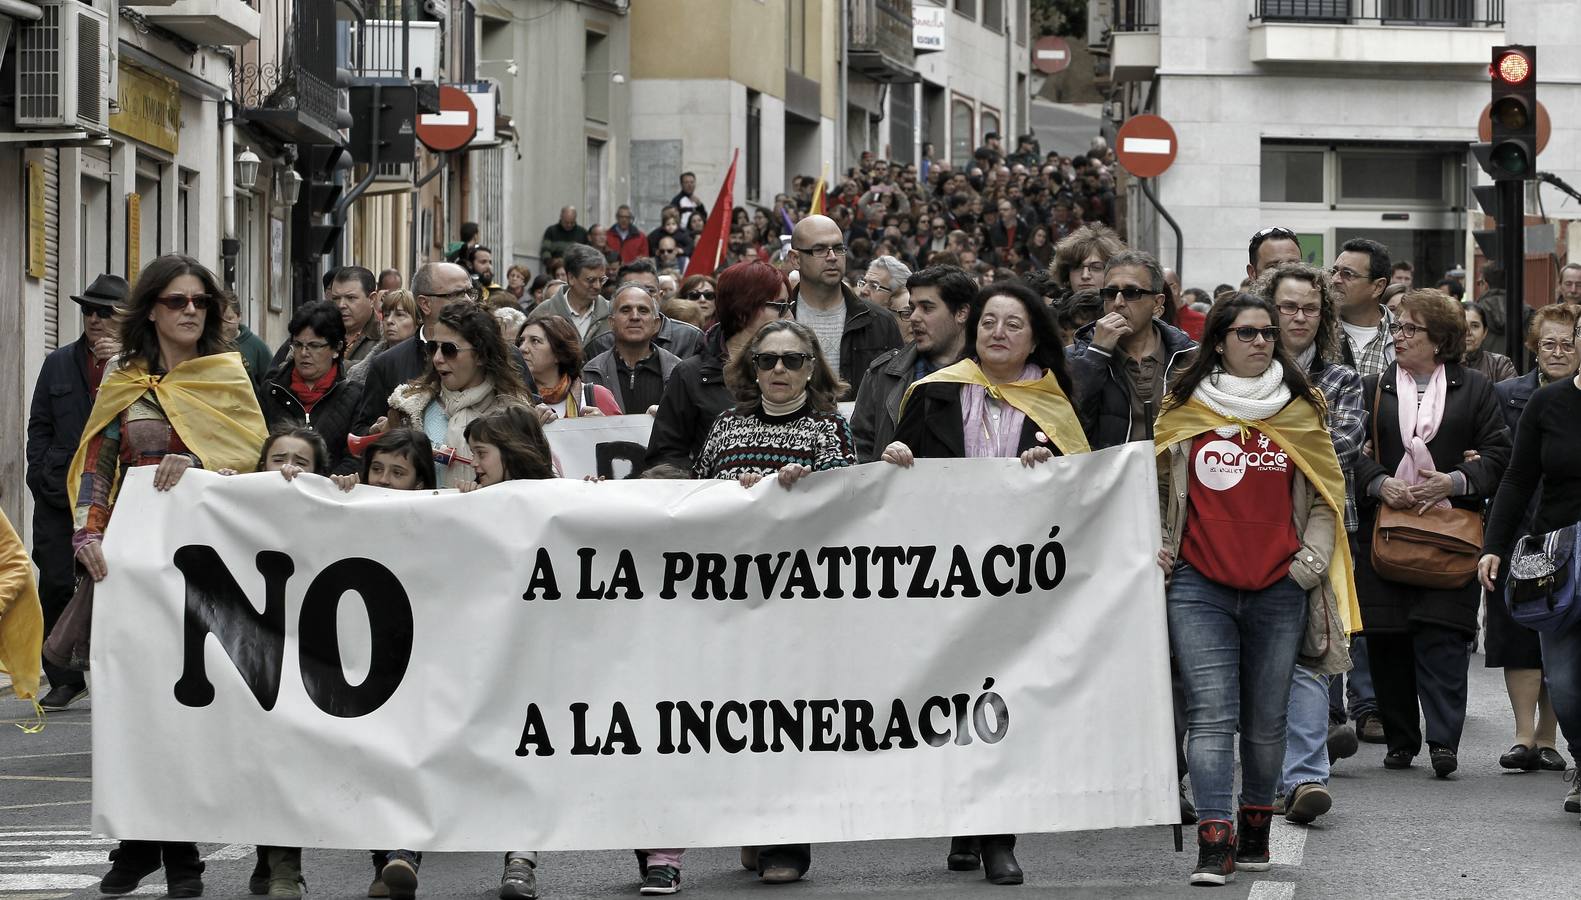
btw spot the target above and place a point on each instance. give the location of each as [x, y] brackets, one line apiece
[1573, 798]
[1370, 728]
[519, 882]
[400, 879]
[1251, 838]
[1215, 853]
[661, 880]
[63, 695]
[1398, 759]
[1306, 802]
[1445, 762]
[1342, 742]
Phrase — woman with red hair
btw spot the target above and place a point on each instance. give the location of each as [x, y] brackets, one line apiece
[750, 295]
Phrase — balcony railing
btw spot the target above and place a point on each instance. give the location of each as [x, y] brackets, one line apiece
[284, 82]
[1434, 13]
[1134, 15]
[880, 39]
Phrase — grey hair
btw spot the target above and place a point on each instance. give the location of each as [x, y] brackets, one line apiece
[898, 273]
[580, 257]
[510, 318]
[1140, 259]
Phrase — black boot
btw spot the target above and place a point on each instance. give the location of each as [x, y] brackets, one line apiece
[963, 855]
[999, 859]
[258, 881]
[130, 863]
[183, 870]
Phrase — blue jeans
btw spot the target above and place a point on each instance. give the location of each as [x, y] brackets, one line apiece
[1562, 672]
[1306, 730]
[1237, 650]
[1358, 689]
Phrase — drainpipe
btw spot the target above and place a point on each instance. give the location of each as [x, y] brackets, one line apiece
[230, 248]
[845, 88]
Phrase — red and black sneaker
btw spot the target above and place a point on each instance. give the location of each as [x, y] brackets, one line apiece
[1251, 838]
[1215, 853]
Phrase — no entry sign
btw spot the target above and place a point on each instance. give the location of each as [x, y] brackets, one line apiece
[1050, 54]
[1146, 146]
[454, 126]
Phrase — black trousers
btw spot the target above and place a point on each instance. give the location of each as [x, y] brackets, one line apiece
[179, 858]
[1425, 666]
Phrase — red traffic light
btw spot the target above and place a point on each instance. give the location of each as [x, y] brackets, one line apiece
[1513, 68]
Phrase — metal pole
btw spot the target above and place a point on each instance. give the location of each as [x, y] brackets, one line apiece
[1512, 252]
[1147, 188]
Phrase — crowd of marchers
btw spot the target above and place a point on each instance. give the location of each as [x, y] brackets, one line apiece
[1294, 419]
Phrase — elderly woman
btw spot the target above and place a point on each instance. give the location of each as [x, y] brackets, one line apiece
[1243, 449]
[470, 375]
[1495, 367]
[1428, 413]
[516, 280]
[311, 388]
[1515, 649]
[1008, 398]
[554, 359]
[180, 398]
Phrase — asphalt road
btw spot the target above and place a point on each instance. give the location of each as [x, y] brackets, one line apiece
[1066, 127]
[1481, 834]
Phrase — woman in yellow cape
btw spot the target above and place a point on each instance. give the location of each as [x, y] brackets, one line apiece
[180, 398]
[1251, 499]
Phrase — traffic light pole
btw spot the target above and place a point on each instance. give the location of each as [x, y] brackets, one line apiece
[1512, 253]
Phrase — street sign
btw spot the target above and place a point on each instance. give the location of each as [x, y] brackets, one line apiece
[1146, 146]
[454, 126]
[1050, 55]
[1544, 125]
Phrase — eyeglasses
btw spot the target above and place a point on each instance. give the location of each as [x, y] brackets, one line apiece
[781, 307]
[1290, 310]
[1093, 268]
[767, 361]
[1406, 330]
[873, 285]
[700, 295]
[1246, 334]
[179, 302]
[1345, 274]
[1275, 233]
[904, 312]
[466, 293]
[448, 348]
[1130, 293]
[98, 312]
[822, 249]
[313, 346]
[1557, 346]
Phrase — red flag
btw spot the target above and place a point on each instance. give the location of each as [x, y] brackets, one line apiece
[710, 247]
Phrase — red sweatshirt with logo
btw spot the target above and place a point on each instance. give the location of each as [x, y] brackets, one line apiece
[1239, 530]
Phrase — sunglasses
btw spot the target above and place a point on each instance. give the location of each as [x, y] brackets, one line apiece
[98, 312]
[700, 295]
[1246, 334]
[1129, 293]
[767, 361]
[448, 348]
[782, 308]
[179, 302]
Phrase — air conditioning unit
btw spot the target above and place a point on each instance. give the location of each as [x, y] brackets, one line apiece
[62, 68]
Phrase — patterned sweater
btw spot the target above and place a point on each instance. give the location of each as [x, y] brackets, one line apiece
[743, 442]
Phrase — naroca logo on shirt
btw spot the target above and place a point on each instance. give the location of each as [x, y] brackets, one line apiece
[1220, 465]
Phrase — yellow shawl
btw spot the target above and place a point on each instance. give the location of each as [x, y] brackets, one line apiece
[21, 617]
[1043, 401]
[209, 401]
[1299, 430]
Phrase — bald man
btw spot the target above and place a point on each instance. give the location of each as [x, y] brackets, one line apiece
[852, 332]
[562, 234]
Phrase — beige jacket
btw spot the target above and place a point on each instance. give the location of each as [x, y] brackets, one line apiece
[1325, 647]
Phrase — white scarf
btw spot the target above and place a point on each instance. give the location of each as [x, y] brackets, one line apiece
[1244, 399]
[461, 408]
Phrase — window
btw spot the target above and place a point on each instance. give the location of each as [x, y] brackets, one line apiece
[150, 242]
[994, 15]
[186, 213]
[593, 185]
[967, 8]
[1292, 176]
[990, 121]
[796, 35]
[595, 76]
[1391, 176]
[1022, 24]
[754, 144]
[963, 140]
[93, 239]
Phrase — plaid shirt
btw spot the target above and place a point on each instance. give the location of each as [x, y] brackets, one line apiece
[1376, 356]
[1347, 423]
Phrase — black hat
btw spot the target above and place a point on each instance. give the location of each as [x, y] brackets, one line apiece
[107, 291]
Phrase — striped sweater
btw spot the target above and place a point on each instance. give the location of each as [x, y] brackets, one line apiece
[756, 442]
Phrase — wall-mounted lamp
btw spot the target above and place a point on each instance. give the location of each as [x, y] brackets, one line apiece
[247, 170]
[287, 187]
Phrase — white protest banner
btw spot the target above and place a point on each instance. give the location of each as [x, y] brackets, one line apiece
[611, 446]
[876, 653]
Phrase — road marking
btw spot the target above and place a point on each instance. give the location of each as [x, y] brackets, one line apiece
[64, 883]
[1272, 890]
[231, 852]
[1287, 844]
[56, 842]
[26, 859]
[45, 778]
[52, 803]
[47, 755]
[14, 831]
[52, 723]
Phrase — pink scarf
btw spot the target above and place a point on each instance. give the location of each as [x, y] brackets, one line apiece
[983, 438]
[1419, 423]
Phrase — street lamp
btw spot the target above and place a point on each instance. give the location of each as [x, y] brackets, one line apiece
[287, 187]
[247, 170]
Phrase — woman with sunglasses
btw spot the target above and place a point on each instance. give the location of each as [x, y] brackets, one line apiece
[180, 398]
[1009, 398]
[1251, 500]
[470, 375]
[312, 388]
[1441, 442]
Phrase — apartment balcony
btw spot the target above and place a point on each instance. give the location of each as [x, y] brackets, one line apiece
[225, 23]
[1133, 40]
[879, 42]
[1376, 32]
[284, 82]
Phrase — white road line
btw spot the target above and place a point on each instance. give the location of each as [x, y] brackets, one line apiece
[47, 755]
[1272, 890]
[73, 778]
[230, 852]
[56, 842]
[31, 882]
[27, 859]
[1287, 843]
[6, 831]
[51, 803]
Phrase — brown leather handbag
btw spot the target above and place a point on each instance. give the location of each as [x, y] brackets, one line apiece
[1437, 549]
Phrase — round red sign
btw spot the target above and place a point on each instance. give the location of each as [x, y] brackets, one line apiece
[454, 126]
[1146, 146]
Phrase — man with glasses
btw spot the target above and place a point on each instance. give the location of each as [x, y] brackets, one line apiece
[682, 339]
[1269, 248]
[935, 240]
[1361, 274]
[62, 399]
[580, 302]
[885, 276]
[851, 331]
[668, 254]
[1122, 362]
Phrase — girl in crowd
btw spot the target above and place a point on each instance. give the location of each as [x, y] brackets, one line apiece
[180, 398]
[1008, 398]
[553, 353]
[1242, 447]
[1517, 650]
[311, 387]
[470, 375]
[751, 295]
[1543, 467]
[508, 446]
[1495, 367]
[700, 289]
[1428, 412]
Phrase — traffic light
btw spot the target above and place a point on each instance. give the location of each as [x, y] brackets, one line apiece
[1513, 149]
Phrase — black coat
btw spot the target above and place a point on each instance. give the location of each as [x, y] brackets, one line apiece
[1472, 420]
[693, 398]
[931, 425]
[62, 401]
[870, 332]
[331, 416]
[1103, 389]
